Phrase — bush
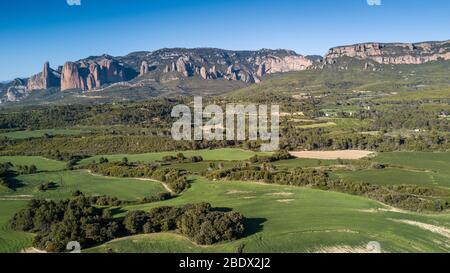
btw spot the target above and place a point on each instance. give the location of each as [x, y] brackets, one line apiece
[46, 186]
[156, 198]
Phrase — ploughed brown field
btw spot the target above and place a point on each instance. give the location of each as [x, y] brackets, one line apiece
[330, 155]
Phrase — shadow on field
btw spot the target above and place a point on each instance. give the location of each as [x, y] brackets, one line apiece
[115, 211]
[222, 209]
[13, 183]
[254, 225]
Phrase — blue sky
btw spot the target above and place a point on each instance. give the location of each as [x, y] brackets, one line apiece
[34, 31]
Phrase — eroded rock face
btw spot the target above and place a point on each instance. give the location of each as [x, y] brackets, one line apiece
[94, 73]
[15, 91]
[144, 68]
[393, 53]
[46, 79]
[71, 77]
[91, 75]
[203, 73]
[250, 67]
[286, 64]
[216, 64]
[184, 66]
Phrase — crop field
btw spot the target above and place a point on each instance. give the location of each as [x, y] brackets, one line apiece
[279, 218]
[418, 168]
[71, 181]
[11, 241]
[390, 177]
[41, 133]
[317, 125]
[303, 163]
[332, 155]
[289, 219]
[219, 154]
[41, 163]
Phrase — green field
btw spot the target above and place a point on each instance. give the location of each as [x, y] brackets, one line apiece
[317, 125]
[71, 181]
[303, 163]
[201, 166]
[42, 164]
[280, 218]
[219, 154]
[418, 168]
[289, 219]
[41, 133]
[11, 241]
[390, 177]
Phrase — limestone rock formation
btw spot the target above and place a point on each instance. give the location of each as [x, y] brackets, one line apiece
[203, 73]
[395, 53]
[144, 68]
[46, 79]
[184, 67]
[71, 77]
[90, 75]
[261, 70]
[94, 73]
[287, 64]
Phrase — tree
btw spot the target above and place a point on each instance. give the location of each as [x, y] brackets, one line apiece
[134, 221]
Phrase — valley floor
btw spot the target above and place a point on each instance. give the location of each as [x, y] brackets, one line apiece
[279, 218]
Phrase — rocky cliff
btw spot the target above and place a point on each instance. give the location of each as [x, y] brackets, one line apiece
[214, 64]
[394, 53]
[91, 74]
[169, 64]
[46, 79]
[13, 91]
[165, 65]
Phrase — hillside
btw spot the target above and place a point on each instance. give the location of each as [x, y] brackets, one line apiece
[210, 71]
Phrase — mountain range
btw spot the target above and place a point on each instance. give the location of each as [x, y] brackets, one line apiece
[99, 73]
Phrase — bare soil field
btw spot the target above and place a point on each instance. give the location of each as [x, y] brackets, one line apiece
[330, 155]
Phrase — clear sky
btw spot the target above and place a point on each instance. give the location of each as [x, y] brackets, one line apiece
[34, 31]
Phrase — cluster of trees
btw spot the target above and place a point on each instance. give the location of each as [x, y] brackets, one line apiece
[180, 158]
[175, 179]
[65, 147]
[406, 117]
[46, 186]
[267, 174]
[57, 223]
[320, 139]
[60, 116]
[280, 155]
[73, 161]
[157, 198]
[80, 219]
[199, 222]
[25, 169]
[102, 200]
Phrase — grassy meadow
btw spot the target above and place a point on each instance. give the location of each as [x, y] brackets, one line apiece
[279, 218]
[418, 168]
[289, 219]
[228, 154]
[129, 189]
[11, 241]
